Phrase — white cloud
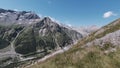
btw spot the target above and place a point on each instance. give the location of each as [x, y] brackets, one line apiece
[109, 14]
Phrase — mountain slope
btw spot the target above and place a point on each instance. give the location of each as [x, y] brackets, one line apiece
[99, 50]
[24, 36]
[45, 35]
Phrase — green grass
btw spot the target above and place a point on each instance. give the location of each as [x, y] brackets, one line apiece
[90, 57]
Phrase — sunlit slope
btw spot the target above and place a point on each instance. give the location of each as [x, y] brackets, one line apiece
[83, 55]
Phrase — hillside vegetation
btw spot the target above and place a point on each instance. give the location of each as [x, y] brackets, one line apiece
[87, 57]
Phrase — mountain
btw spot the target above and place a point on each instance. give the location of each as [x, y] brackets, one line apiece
[24, 36]
[100, 49]
[8, 17]
[45, 35]
[85, 31]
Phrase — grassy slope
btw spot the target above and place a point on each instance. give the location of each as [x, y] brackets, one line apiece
[91, 57]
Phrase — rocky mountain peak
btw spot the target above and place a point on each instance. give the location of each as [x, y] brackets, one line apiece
[46, 22]
[8, 17]
[47, 18]
[3, 10]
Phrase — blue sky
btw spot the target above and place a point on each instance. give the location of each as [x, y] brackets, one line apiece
[72, 12]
